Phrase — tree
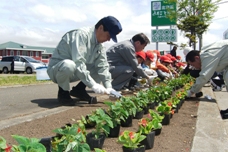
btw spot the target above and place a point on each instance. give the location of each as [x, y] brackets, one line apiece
[193, 17]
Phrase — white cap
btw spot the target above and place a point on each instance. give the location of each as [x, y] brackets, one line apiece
[186, 50]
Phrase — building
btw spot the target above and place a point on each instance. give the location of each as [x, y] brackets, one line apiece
[39, 53]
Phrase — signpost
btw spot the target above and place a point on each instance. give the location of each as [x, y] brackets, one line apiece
[164, 35]
[159, 12]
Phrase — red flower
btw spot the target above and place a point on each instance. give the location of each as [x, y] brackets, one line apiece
[131, 135]
[172, 111]
[8, 148]
[169, 104]
[143, 122]
[79, 130]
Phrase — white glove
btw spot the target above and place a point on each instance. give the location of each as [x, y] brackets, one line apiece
[148, 71]
[151, 78]
[97, 88]
[189, 93]
[151, 72]
[109, 90]
[113, 92]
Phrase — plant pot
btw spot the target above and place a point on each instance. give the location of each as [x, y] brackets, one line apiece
[139, 149]
[181, 102]
[166, 119]
[148, 142]
[157, 131]
[89, 124]
[47, 143]
[93, 142]
[127, 122]
[146, 110]
[151, 105]
[114, 132]
[139, 114]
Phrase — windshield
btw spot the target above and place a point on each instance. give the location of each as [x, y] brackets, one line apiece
[31, 60]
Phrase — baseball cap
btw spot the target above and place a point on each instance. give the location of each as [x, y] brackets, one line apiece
[150, 55]
[113, 26]
[187, 50]
[142, 54]
[166, 59]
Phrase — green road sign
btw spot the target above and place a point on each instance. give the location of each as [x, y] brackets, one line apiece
[164, 35]
[159, 12]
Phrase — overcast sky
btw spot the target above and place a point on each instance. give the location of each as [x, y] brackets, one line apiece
[43, 22]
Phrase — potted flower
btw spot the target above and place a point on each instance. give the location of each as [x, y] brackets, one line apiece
[139, 107]
[156, 121]
[70, 138]
[117, 113]
[130, 107]
[131, 141]
[164, 108]
[142, 95]
[96, 138]
[27, 144]
[146, 128]
[3, 145]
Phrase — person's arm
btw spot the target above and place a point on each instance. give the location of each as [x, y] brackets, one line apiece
[162, 67]
[129, 56]
[102, 66]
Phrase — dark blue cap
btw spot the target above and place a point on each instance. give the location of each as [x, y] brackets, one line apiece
[113, 26]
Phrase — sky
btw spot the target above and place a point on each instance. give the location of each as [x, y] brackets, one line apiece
[44, 22]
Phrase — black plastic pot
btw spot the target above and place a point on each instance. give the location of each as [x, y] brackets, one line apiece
[93, 142]
[139, 149]
[139, 114]
[148, 142]
[47, 143]
[157, 131]
[166, 119]
[114, 132]
[127, 122]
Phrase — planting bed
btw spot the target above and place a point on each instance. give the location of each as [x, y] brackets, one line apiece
[175, 137]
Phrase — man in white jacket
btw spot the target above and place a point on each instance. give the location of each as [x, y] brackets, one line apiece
[80, 56]
[211, 59]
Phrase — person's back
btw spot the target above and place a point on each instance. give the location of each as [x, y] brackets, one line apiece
[121, 53]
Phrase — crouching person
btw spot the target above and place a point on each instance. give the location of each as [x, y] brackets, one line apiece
[80, 56]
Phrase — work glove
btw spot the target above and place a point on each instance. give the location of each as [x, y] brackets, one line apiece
[97, 88]
[113, 92]
[151, 78]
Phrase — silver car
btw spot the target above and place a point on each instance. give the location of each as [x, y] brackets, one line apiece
[21, 64]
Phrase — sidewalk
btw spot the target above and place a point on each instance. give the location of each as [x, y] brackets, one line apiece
[211, 130]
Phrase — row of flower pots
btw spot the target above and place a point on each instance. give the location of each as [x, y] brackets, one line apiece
[158, 103]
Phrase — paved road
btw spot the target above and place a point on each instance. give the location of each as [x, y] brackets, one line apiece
[26, 102]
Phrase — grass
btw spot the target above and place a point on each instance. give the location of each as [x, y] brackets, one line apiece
[20, 80]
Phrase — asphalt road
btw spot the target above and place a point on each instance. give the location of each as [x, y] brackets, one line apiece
[23, 100]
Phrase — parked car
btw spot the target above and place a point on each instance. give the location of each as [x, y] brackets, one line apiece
[21, 64]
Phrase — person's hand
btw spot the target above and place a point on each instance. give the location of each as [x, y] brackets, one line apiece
[109, 90]
[150, 79]
[97, 88]
[189, 93]
[148, 71]
[113, 92]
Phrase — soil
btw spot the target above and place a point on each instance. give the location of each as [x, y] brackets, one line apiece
[175, 137]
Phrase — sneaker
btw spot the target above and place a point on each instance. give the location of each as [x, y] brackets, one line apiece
[83, 96]
[64, 98]
[224, 116]
[223, 111]
[199, 94]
